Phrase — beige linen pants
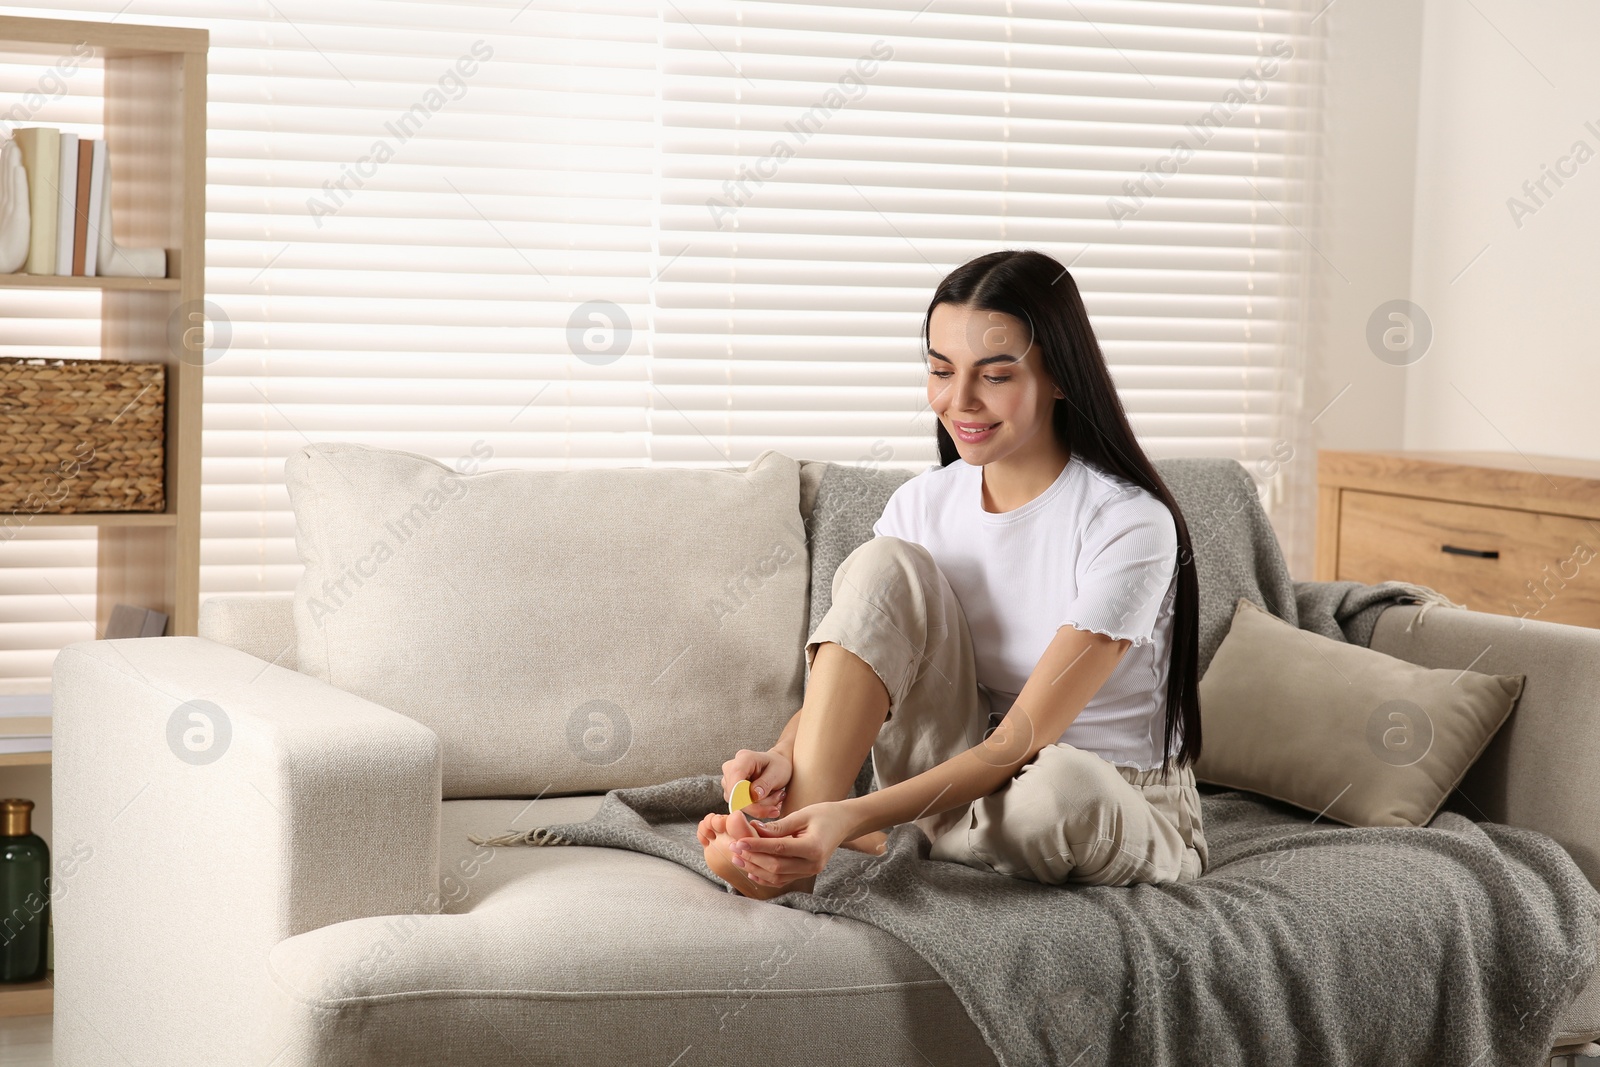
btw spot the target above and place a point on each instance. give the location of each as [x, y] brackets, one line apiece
[1068, 815]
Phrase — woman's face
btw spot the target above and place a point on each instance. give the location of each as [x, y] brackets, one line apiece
[983, 375]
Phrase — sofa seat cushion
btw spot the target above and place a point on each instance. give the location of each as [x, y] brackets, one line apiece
[1580, 1023]
[593, 955]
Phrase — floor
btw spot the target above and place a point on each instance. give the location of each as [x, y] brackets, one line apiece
[26, 1043]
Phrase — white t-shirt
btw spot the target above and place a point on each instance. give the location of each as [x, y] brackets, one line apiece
[1092, 551]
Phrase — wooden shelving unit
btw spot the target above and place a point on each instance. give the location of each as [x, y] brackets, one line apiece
[155, 131]
[43, 281]
[29, 998]
[107, 518]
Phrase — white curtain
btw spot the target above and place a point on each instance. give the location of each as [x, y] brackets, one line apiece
[636, 232]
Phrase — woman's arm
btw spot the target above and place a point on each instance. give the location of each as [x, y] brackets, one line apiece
[1073, 668]
[785, 741]
[767, 772]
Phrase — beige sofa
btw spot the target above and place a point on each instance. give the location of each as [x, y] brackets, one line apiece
[271, 906]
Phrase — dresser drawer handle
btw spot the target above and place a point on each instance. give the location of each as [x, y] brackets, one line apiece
[1481, 553]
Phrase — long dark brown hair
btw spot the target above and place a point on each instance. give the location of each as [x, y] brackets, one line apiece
[1092, 425]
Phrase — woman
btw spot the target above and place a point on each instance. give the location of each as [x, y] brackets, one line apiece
[1040, 574]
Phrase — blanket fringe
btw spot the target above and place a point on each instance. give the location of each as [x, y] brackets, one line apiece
[1428, 598]
[539, 835]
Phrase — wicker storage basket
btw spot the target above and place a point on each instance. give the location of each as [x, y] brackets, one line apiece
[81, 435]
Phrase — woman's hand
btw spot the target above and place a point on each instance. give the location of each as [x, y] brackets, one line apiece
[768, 774]
[795, 846]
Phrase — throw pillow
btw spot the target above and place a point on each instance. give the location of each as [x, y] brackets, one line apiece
[561, 631]
[1354, 735]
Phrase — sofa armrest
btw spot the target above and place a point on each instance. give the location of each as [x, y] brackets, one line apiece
[178, 868]
[1538, 771]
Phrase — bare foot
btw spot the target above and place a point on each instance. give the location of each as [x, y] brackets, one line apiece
[719, 857]
[710, 826]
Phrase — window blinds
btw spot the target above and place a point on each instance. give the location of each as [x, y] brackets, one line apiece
[824, 165]
[408, 203]
[681, 231]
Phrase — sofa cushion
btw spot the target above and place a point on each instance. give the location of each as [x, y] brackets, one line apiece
[561, 631]
[602, 956]
[261, 624]
[588, 955]
[1353, 734]
[1580, 1022]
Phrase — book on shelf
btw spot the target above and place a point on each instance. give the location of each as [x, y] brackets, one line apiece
[82, 189]
[129, 621]
[66, 201]
[41, 159]
[10, 744]
[69, 202]
[24, 722]
[97, 210]
[80, 209]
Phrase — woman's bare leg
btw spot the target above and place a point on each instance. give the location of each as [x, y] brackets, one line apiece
[845, 706]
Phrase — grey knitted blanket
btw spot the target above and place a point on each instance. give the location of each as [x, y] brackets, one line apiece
[1303, 943]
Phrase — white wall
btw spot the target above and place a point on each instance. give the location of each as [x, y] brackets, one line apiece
[1361, 237]
[1435, 113]
[1507, 86]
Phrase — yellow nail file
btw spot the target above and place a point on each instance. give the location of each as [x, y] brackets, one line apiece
[741, 797]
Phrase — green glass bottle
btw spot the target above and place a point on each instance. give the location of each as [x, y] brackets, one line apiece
[24, 898]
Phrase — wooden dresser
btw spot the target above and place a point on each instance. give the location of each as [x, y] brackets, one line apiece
[1496, 531]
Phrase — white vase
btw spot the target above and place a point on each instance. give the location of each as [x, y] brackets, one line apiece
[14, 221]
